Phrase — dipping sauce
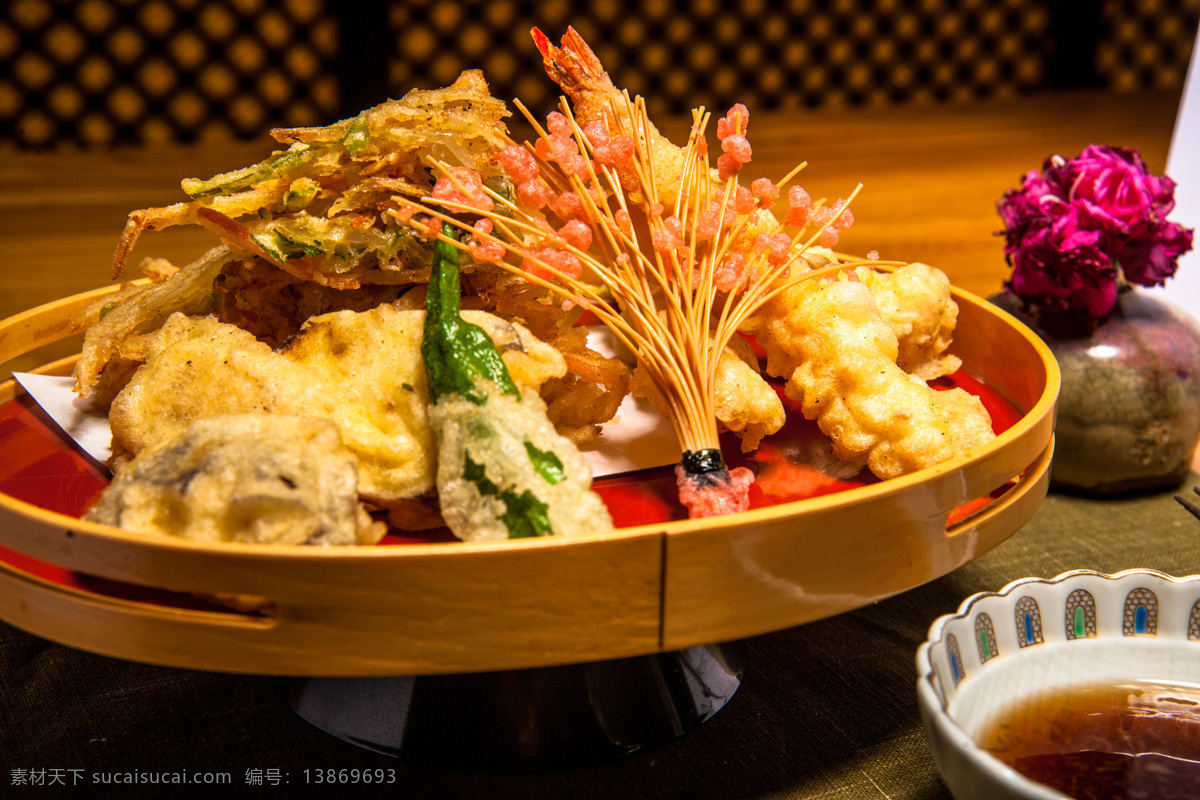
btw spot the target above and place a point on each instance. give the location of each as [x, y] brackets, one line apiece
[1133, 740]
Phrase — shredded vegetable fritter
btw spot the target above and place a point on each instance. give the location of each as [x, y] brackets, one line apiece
[313, 210]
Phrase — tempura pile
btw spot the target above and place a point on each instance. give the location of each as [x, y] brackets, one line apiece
[312, 306]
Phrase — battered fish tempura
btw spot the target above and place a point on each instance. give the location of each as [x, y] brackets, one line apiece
[839, 357]
[915, 302]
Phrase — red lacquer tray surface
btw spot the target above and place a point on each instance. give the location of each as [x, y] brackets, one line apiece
[41, 466]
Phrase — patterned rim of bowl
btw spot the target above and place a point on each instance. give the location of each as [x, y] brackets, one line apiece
[1075, 628]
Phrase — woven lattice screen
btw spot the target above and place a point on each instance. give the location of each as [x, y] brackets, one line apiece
[1147, 43]
[112, 71]
[767, 54]
[100, 71]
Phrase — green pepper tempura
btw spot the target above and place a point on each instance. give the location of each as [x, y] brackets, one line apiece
[503, 471]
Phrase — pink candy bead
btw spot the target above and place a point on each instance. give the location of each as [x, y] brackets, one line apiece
[567, 205]
[577, 234]
[462, 185]
[737, 146]
[556, 122]
[799, 206]
[766, 191]
[566, 263]
[730, 272]
[735, 121]
[518, 163]
[624, 221]
[845, 219]
[727, 166]
[708, 224]
[487, 250]
[744, 200]
[616, 152]
[533, 193]
[668, 236]
[429, 226]
[778, 247]
[596, 133]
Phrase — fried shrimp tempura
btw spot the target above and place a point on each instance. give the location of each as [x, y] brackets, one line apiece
[591, 391]
[839, 357]
[581, 76]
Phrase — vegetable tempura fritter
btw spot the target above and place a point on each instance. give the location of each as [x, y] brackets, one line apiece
[254, 478]
[362, 371]
[503, 472]
[313, 210]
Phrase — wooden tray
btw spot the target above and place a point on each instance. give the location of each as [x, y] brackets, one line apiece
[447, 607]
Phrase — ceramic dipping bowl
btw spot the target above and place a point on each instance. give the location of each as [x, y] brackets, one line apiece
[1037, 636]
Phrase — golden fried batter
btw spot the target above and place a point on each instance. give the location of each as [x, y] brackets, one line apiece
[273, 304]
[110, 348]
[915, 302]
[315, 209]
[839, 357]
[363, 371]
[253, 478]
[486, 464]
[746, 404]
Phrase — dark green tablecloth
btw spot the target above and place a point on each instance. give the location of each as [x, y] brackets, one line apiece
[827, 710]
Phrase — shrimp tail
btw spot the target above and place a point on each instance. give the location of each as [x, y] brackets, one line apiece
[542, 42]
[578, 72]
[576, 69]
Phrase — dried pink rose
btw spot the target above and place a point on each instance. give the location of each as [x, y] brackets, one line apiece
[1077, 229]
